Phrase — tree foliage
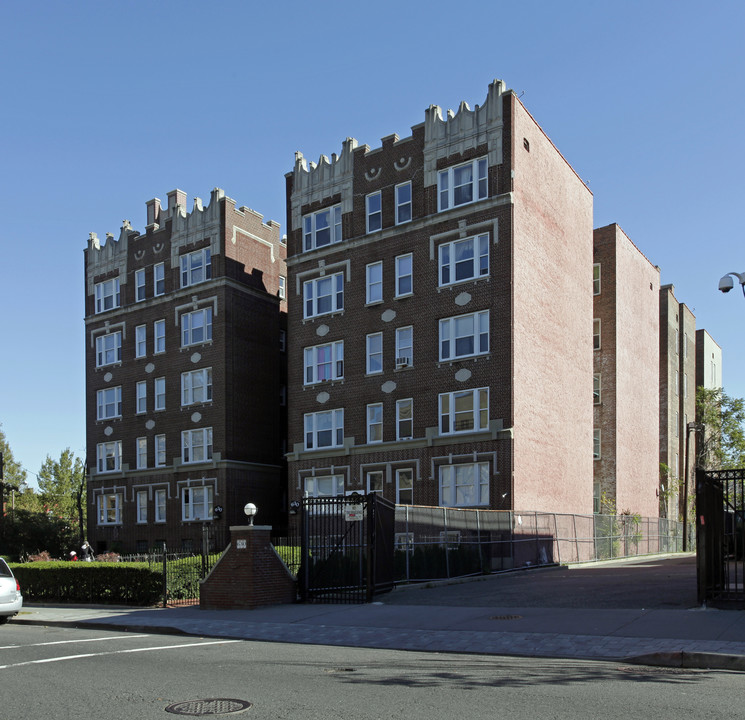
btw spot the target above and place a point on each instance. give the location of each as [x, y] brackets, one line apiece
[721, 445]
[14, 474]
[62, 489]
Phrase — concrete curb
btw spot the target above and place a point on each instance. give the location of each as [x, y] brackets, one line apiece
[692, 660]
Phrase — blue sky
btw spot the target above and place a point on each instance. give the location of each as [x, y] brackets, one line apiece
[105, 105]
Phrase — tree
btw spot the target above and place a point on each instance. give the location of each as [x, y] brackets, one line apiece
[14, 474]
[62, 486]
[721, 446]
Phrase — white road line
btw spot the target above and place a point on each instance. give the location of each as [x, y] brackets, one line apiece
[69, 642]
[115, 652]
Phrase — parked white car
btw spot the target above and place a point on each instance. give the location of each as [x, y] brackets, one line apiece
[11, 600]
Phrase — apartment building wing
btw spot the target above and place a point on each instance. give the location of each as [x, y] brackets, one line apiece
[185, 372]
[708, 361]
[439, 316]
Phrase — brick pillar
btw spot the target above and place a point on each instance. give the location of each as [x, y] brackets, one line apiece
[248, 575]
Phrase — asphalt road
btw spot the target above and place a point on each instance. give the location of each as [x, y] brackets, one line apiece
[656, 583]
[67, 673]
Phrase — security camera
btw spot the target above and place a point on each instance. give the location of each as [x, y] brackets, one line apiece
[726, 284]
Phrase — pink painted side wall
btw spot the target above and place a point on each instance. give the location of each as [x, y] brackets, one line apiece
[552, 337]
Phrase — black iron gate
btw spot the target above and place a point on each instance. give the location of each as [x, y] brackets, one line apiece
[720, 537]
[346, 548]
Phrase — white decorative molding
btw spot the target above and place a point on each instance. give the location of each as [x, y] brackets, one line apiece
[388, 387]
[107, 377]
[463, 374]
[463, 299]
[388, 316]
[108, 431]
[139, 254]
[371, 174]
[150, 424]
[323, 397]
[402, 164]
[149, 368]
[322, 330]
[195, 357]
[196, 417]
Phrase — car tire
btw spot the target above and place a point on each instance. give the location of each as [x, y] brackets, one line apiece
[4, 619]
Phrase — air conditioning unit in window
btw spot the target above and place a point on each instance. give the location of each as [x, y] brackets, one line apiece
[402, 362]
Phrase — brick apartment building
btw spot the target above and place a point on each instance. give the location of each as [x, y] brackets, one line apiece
[185, 371]
[626, 332]
[440, 316]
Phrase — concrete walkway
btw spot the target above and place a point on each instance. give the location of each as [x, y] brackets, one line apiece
[565, 613]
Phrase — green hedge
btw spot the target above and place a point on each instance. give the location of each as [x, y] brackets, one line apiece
[122, 583]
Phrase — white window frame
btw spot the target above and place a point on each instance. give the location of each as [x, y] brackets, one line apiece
[188, 327]
[451, 484]
[404, 275]
[196, 446]
[374, 417]
[109, 509]
[141, 507]
[141, 341]
[108, 295]
[404, 206]
[197, 503]
[109, 403]
[159, 393]
[159, 337]
[160, 450]
[597, 453]
[329, 422]
[109, 456]
[374, 481]
[596, 334]
[141, 448]
[405, 346]
[448, 195]
[374, 283]
[312, 486]
[596, 279]
[404, 486]
[452, 334]
[453, 418]
[374, 353]
[196, 387]
[597, 388]
[374, 212]
[196, 267]
[405, 419]
[159, 279]
[159, 503]
[312, 297]
[316, 224]
[109, 346]
[141, 397]
[323, 362]
[282, 287]
[451, 265]
[140, 293]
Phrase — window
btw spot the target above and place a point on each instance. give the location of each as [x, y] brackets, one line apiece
[109, 349]
[404, 487]
[160, 506]
[282, 291]
[374, 283]
[107, 295]
[322, 228]
[596, 334]
[324, 486]
[462, 184]
[375, 423]
[141, 453]
[596, 388]
[375, 481]
[109, 456]
[160, 393]
[685, 386]
[596, 444]
[405, 419]
[159, 279]
[324, 429]
[142, 506]
[464, 411]
[404, 346]
[323, 295]
[196, 445]
[196, 386]
[141, 341]
[404, 278]
[324, 362]
[159, 336]
[596, 279]
[374, 213]
[374, 353]
[160, 450]
[403, 203]
[465, 259]
[109, 403]
[196, 503]
[283, 340]
[141, 395]
[139, 285]
[109, 509]
[196, 267]
[464, 335]
[196, 327]
[464, 485]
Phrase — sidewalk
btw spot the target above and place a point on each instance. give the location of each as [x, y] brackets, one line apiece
[413, 618]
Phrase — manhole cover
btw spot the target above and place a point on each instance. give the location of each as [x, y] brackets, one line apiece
[210, 706]
[506, 617]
